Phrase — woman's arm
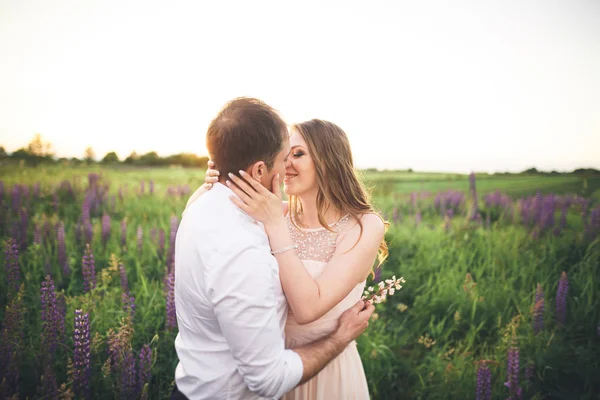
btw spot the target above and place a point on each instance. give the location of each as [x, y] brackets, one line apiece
[211, 176]
[311, 298]
[351, 263]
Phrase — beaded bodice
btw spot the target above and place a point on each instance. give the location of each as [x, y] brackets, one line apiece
[316, 244]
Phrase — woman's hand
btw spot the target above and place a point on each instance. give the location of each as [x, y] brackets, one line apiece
[256, 200]
[211, 176]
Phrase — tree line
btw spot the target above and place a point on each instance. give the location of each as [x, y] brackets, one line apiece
[39, 151]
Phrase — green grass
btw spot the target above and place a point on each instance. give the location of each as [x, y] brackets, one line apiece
[468, 288]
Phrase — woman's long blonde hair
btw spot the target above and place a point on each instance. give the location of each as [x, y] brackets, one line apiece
[338, 183]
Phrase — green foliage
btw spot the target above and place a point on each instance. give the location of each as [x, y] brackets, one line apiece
[468, 288]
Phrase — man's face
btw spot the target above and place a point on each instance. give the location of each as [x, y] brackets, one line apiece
[278, 166]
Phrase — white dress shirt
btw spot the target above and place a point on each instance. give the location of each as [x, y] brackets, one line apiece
[231, 310]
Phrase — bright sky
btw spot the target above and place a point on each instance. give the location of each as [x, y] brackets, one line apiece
[431, 85]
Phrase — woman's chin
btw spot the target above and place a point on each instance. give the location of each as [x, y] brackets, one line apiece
[288, 190]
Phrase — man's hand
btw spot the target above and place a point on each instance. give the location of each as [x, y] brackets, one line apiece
[353, 322]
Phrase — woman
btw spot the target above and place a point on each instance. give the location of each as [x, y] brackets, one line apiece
[325, 241]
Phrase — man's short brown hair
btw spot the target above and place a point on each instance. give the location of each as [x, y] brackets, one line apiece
[245, 131]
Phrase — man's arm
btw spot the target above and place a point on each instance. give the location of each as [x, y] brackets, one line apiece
[315, 356]
[242, 288]
[242, 291]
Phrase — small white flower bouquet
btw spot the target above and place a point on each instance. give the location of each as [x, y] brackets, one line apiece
[384, 289]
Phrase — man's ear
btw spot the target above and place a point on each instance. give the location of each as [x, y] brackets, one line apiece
[258, 170]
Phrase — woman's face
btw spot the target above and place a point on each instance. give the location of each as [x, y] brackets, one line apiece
[300, 173]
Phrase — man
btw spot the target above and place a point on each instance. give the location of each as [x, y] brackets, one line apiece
[231, 310]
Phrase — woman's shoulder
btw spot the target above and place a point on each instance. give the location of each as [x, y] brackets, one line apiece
[371, 225]
[370, 221]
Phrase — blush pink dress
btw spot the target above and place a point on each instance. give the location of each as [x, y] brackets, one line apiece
[344, 377]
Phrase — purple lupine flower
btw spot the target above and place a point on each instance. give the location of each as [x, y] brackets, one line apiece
[24, 224]
[113, 203]
[561, 299]
[513, 371]
[139, 239]
[172, 235]
[105, 228]
[144, 366]
[81, 357]
[123, 232]
[530, 372]
[11, 264]
[142, 183]
[88, 231]
[171, 314]
[124, 281]
[484, 382]
[88, 269]
[161, 243]
[128, 302]
[15, 199]
[11, 339]
[48, 385]
[1, 192]
[151, 184]
[538, 310]
[50, 316]
[128, 384]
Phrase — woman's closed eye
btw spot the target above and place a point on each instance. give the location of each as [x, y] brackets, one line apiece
[298, 154]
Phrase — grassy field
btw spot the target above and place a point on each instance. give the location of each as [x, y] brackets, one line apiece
[483, 298]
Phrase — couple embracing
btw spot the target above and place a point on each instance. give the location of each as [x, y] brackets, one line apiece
[268, 293]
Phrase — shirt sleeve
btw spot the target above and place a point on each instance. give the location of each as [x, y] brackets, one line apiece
[243, 295]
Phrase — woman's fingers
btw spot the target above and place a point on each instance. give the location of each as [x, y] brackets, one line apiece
[255, 184]
[242, 194]
[246, 185]
[275, 188]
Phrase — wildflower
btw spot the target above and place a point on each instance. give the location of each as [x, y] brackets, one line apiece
[88, 268]
[62, 251]
[105, 228]
[384, 288]
[484, 382]
[170, 294]
[123, 232]
[81, 357]
[561, 299]
[11, 262]
[145, 364]
[426, 341]
[128, 304]
[513, 369]
[50, 316]
[124, 281]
